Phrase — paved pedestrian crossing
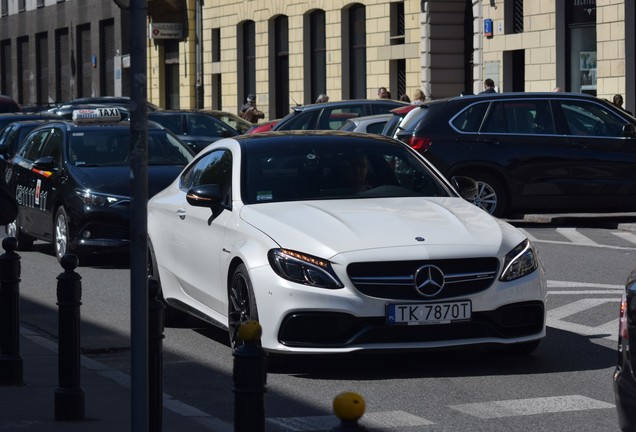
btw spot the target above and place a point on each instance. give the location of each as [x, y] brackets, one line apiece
[611, 239]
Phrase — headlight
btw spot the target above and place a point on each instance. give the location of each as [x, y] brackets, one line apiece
[99, 199]
[304, 269]
[520, 261]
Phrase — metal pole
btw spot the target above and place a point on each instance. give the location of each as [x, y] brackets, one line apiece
[138, 222]
[11, 364]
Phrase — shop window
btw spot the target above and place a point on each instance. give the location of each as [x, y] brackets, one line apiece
[354, 52]
[247, 60]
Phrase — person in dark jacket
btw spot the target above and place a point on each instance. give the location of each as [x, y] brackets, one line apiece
[489, 86]
[8, 206]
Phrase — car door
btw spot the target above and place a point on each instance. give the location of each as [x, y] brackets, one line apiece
[605, 171]
[520, 139]
[198, 237]
[35, 173]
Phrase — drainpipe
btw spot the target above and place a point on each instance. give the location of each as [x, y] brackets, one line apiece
[199, 54]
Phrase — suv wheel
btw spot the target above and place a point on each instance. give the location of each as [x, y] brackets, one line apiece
[491, 196]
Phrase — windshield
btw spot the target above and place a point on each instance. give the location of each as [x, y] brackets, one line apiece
[336, 170]
[111, 147]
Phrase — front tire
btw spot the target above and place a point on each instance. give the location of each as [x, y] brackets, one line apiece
[242, 303]
[491, 195]
[62, 234]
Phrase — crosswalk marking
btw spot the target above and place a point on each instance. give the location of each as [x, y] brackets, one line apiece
[576, 237]
[556, 318]
[625, 235]
[521, 407]
[375, 420]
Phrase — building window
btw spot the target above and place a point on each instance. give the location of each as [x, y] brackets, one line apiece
[106, 60]
[315, 57]
[397, 23]
[84, 61]
[513, 16]
[217, 93]
[354, 52]
[398, 77]
[63, 71]
[39, 3]
[21, 5]
[5, 68]
[581, 19]
[279, 65]
[23, 70]
[4, 8]
[247, 60]
[42, 68]
[216, 44]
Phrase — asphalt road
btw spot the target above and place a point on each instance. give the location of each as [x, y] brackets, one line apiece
[565, 385]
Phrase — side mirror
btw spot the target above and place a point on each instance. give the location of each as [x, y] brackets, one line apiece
[46, 163]
[629, 130]
[209, 195]
[466, 186]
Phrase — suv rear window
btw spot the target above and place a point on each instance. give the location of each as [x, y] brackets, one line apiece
[470, 119]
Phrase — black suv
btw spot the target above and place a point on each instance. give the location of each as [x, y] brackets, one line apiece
[545, 152]
[332, 115]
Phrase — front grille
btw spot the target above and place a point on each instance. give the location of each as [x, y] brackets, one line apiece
[114, 232]
[394, 280]
[338, 330]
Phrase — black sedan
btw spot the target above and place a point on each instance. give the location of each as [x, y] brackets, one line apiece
[625, 374]
[10, 138]
[72, 182]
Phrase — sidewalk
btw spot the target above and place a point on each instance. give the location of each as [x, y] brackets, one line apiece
[30, 407]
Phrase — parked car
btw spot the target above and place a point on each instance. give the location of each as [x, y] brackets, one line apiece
[123, 103]
[332, 115]
[8, 105]
[338, 242]
[545, 152]
[397, 115]
[369, 124]
[7, 118]
[232, 120]
[11, 136]
[71, 179]
[625, 373]
[263, 127]
[196, 128]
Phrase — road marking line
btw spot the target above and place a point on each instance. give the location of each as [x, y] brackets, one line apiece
[568, 284]
[375, 420]
[576, 237]
[630, 237]
[556, 316]
[522, 407]
[618, 292]
[534, 239]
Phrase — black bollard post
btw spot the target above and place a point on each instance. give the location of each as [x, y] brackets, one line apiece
[250, 379]
[11, 368]
[69, 396]
[155, 357]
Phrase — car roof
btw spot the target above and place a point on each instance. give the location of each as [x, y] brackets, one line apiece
[293, 135]
[370, 118]
[346, 102]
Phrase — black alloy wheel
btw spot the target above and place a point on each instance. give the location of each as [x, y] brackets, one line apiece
[241, 305]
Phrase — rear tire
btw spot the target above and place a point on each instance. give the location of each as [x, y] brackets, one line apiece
[491, 196]
[241, 304]
[25, 242]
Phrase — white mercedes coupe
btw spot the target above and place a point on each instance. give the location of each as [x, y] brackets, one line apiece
[338, 242]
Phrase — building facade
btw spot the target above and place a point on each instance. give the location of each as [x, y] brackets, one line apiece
[212, 54]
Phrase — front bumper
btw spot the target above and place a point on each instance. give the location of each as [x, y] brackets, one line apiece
[98, 229]
[300, 319]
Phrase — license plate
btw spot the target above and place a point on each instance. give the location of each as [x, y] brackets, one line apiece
[428, 313]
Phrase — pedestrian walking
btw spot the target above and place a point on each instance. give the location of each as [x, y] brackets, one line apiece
[489, 86]
[249, 111]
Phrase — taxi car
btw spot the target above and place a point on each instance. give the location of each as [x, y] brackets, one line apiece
[71, 179]
[339, 242]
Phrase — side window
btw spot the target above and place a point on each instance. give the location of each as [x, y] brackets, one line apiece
[170, 122]
[204, 125]
[213, 168]
[590, 119]
[470, 119]
[302, 121]
[334, 118]
[34, 144]
[53, 145]
[376, 128]
[524, 117]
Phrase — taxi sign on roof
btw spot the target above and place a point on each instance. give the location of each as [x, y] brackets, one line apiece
[101, 115]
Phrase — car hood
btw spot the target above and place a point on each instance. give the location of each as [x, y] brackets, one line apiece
[116, 180]
[326, 228]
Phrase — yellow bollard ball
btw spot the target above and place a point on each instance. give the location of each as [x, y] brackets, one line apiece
[348, 406]
[250, 331]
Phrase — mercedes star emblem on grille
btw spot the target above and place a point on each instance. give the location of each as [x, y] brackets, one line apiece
[429, 280]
